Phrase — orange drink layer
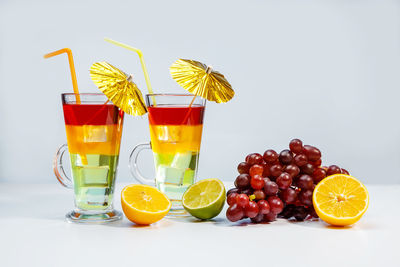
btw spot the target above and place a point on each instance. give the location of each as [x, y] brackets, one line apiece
[188, 138]
[93, 139]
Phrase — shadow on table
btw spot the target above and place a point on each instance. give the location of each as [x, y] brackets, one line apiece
[125, 223]
[318, 224]
[223, 222]
[322, 225]
[190, 219]
[218, 221]
[242, 223]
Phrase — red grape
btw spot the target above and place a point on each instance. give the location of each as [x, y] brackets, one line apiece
[344, 171]
[307, 169]
[263, 206]
[305, 182]
[234, 213]
[270, 156]
[333, 169]
[296, 146]
[312, 212]
[292, 169]
[305, 197]
[275, 204]
[243, 167]
[247, 191]
[287, 211]
[270, 188]
[300, 160]
[300, 213]
[318, 175]
[284, 180]
[276, 170]
[266, 167]
[248, 157]
[254, 158]
[242, 181]
[242, 200]
[286, 157]
[256, 169]
[259, 218]
[259, 194]
[251, 210]
[231, 199]
[257, 182]
[289, 195]
[270, 217]
[312, 153]
[232, 190]
[317, 163]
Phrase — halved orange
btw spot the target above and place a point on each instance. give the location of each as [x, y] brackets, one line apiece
[340, 199]
[144, 204]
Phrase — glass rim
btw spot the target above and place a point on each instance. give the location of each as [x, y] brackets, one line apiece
[83, 94]
[171, 94]
[85, 98]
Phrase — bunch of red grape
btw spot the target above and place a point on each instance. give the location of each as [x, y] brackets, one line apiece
[273, 184]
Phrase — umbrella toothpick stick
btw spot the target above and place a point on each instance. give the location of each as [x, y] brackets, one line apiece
[208, 71]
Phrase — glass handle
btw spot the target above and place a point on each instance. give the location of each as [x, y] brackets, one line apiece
[59, 169]
[133, 166]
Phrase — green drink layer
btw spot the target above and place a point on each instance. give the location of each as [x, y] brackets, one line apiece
[94, 182]
[175, 173]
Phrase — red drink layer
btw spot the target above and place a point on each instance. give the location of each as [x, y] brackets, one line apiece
[91, 114]
[175, 115]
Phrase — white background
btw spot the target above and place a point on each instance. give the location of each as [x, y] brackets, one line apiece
[324, 71]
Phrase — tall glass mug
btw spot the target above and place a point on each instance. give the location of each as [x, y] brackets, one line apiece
[175, 133]
[94, 129]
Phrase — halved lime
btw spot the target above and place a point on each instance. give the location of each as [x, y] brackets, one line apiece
[204, 199]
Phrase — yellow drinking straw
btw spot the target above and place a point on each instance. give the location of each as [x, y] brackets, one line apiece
[140, 54]
[71, 67]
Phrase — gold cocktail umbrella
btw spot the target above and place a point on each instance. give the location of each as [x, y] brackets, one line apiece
[118, 87]
[201, 80]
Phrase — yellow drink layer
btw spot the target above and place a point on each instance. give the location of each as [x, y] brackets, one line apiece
[94, 139]
[170, 139]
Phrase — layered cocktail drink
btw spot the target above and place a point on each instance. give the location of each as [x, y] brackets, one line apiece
[176, 125]
[175, 142]
[92, 134]
[93, 129]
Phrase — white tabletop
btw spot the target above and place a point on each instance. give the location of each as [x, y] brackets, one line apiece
[35, 233]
